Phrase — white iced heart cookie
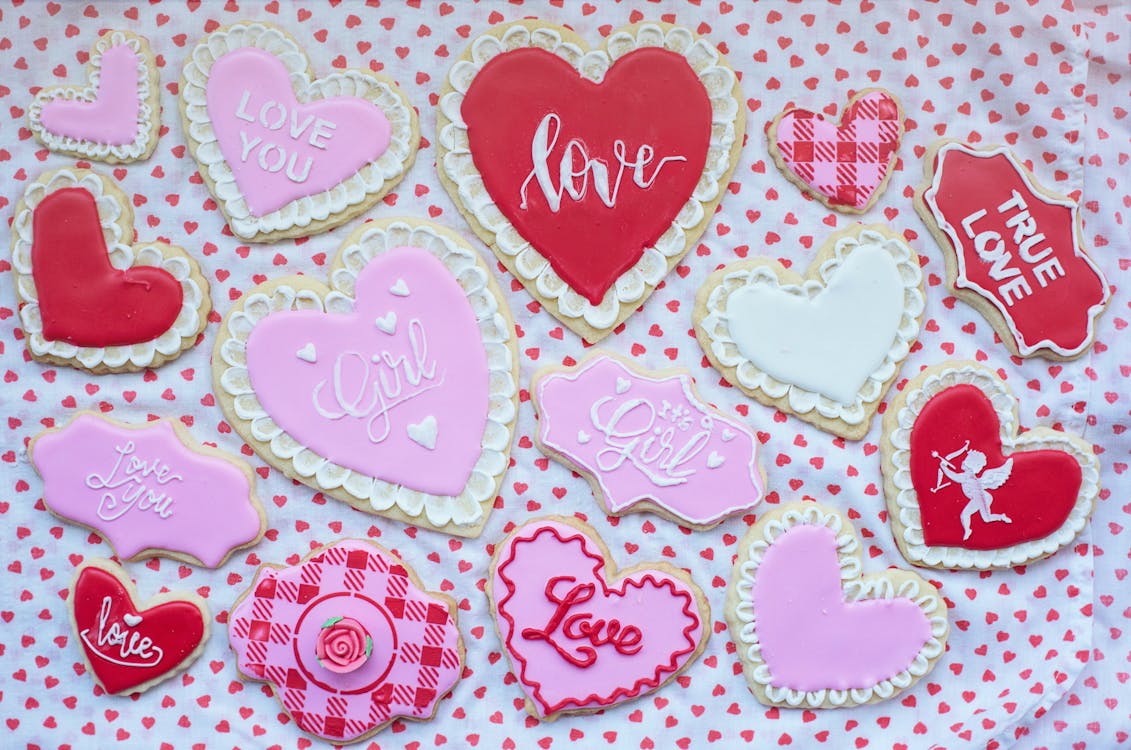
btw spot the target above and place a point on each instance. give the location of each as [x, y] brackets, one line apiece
[824, 347]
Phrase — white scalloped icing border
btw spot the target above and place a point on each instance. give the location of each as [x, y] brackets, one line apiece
[802, 400]
[874, 586]
[374, 178]
[148, 119]
[907, 499]
[466, 509]
[122, 256]
[532, 267]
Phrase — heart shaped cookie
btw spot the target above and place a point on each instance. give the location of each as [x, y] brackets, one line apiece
[592, 186]
[287, 155]
[131, 647]
[116, 117]
[824, 347]
[393, 389]
[812, 630]
[846, 166]
[91, 297]
[579, 635]
[964, 489]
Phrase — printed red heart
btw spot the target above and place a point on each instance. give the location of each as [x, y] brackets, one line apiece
[83, 299]
[128, 647]
[650, 107]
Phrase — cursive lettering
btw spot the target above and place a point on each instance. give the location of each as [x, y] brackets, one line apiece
[127, 485]
[577, 626]
[632, 433]
[128, 642]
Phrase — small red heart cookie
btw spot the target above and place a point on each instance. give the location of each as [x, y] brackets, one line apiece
[131, 648]
[91, 297]
[581, 636]
[964, 489]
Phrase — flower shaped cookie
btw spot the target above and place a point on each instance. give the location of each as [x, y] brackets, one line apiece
[349, 640]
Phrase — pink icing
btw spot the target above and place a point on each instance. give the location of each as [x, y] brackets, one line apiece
[415, 416]
[278, 149]
[112, 117]
[649, 438]
[811, 639]
[342, 645]
[415, 657]
[143, 489]
[575, 642]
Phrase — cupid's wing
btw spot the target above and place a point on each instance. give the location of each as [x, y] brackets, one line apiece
[994, 478]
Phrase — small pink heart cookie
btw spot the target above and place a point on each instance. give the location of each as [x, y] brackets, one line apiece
[582, 636]
[847, 165]
[812, 630]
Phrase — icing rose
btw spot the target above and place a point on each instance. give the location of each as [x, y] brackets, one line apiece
[342, 645]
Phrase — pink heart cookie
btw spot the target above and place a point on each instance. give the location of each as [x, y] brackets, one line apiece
[846, 166]
[581, 636]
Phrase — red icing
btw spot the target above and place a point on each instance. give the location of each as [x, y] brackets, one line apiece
[1043, 304]
[82, 298]
[649, 98]
[1038, 495]
[573, 625]
[174, 628]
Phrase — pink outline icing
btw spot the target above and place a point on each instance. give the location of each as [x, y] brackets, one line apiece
[552, 682]
[183, 501]
[710, 470]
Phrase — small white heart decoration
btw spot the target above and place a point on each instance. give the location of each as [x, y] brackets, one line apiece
[425, 432]
[307, 353]
[387, 323]
[583, 437]
[714, 460]
[623, 384]
[131, 619]
[399, 289]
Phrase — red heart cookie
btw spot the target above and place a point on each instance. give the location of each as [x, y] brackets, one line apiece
[131, 648]
[965, 490]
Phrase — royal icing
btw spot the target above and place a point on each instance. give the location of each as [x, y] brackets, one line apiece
[860, 308]
[400, 643]
[580, 638]
[846, 164]
[394, 389]
[970, 491]
[1018, 247]
[144, 490]
[282, 150]
[591, 156]
[127, 646]
[648, 438]
[812, 630]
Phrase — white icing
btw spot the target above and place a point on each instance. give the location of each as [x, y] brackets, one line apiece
[843, 337]
[531, 266]
[465, 509]
[146, 114]
[307, 353]
[373, 178]
[122, 256]
[907, 499]
[424, 432]
[855, 589]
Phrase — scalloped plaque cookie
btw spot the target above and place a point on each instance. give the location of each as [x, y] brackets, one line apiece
[116, 116]
[812, 630]
[965, 489]
[824, 347]
[578, 168]
[395, 388]
[285, 154]
[91, 297]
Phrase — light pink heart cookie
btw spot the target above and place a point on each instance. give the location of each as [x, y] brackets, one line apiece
[581, 636]
[846, 166]
[812, 631]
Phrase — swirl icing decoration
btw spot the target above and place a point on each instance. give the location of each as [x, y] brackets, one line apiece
[92, 297]
[579, 635]
[647, 441]
[349, 640]
[847, 165]
[965, 488]
[147, 490]
[593, 186]
[814, 631]
[393, 389]
[772, 332]
[1014, 249]
[284, 153]
[116, 117]
[131, 647]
